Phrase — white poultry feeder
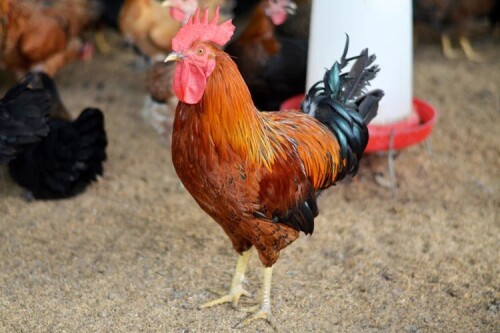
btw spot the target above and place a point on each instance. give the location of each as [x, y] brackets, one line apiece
[385, 28]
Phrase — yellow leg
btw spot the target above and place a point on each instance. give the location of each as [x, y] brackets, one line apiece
[469, 51]
[236, 290]
[101, 42]
[264, 311]
[448, 50]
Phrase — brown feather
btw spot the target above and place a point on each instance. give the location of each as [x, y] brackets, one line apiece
[34, 38]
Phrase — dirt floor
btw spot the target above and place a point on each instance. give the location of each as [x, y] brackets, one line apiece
[134, 253]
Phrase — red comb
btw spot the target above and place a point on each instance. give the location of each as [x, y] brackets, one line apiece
[197, 29]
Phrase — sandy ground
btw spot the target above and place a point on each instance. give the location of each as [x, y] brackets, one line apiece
[135, 253]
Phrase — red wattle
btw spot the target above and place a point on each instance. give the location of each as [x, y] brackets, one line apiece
[189, 83]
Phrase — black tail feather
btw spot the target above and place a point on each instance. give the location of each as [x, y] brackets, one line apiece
[359, 76]
[341, 103]
[367, 105]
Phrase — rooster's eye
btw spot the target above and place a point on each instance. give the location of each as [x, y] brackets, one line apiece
[200, 51]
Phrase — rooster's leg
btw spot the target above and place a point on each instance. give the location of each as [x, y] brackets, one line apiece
[264, 311]
[448, 50]
[236, 290]
[468, 50]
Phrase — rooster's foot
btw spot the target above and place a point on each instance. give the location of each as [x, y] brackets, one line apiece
[232, 297]
[262, 313]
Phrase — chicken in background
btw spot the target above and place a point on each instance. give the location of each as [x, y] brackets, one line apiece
[258, 174]
[454, 18]
[150, 26]
[242, 7]
[109, 11]
[297, 25]
[273, 66]
[64, 162]
[80, 16]
[75, 15]
[35, 36]
[225, 8]
[160, 101]
[24, 114]
[494, 19]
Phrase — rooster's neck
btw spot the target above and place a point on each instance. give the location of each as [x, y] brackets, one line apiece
[228, 115]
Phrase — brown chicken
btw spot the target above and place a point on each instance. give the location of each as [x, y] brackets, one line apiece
[151, 26]
[273, 66]
[453, 18]
[160, 102]
[34, 37]
[159, 81]
[225, 8]
[297, 25]
[258, 174]
[75, 15]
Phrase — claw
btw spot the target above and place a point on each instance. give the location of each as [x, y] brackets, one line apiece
[250, 309]
[233, 297]
[261, 314]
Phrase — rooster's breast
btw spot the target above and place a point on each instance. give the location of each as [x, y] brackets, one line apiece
[215, 176]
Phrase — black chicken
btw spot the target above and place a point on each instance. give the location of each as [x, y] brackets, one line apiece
[24, 115]
[70, 157]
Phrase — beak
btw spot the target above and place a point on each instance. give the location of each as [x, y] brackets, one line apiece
[174, 56]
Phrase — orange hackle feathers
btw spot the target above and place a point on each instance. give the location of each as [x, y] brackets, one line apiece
[230, 113]
[199, 29]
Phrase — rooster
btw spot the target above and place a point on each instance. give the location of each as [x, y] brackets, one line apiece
[69, 158]
[273, 66]
[258, 174]
[24, 116]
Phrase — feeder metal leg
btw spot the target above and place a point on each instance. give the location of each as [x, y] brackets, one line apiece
[390, 158]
